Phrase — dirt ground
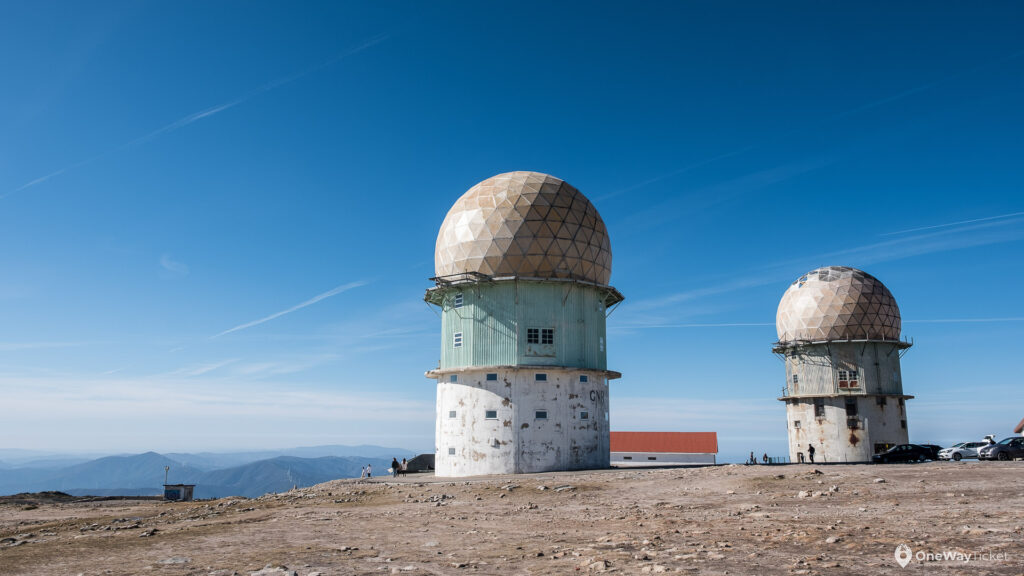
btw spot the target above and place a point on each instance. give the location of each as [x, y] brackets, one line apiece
[792, 519]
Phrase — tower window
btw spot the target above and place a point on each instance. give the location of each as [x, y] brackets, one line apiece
[881, 400]
[848, 379]
[451, 413]
[796, 379]
[895, 378]
[652, 457]
[601, 343]
[533, 335]
[490, 415]
[851, 407]
[453, 378]
[541, 414]
[459, 300]
[796, 424]
[819, 407]
[584, 415]
[492, 377]
[584, 378]
[457, 343]
[547, 336]
[903, 424]
[451, 451]
[540, 377]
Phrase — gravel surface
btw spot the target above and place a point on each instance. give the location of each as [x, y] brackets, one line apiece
[792, 519]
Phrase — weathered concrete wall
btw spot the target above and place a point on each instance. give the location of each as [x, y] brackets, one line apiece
[516, 440]
[641, 459]
[493, 318]
[815, 366]
[833, 438]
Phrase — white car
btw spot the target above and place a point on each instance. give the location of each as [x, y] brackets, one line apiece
[962, 450]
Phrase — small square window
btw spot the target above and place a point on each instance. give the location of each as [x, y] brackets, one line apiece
[652, 457]
[492, 377]
[796, 424]
[459, 301]
[584, 415]
[451, 451]
[541, 414]
[547, 336]
[584, 378]
[851, 407]
[458, 340]
[453, 378]
[451, 413]
[491, 415]
[881, 400]
[540, 377]
[533, 336]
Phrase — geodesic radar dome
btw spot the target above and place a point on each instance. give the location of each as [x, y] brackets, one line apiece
[837, 303]
[524, 224]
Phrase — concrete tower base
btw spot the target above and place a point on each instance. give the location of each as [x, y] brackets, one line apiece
[845, 428]
[507, 420]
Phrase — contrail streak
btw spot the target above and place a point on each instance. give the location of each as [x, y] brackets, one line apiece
[310, 302]
[185, 121]
[1001, 216]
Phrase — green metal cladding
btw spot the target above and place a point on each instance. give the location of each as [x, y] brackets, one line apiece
[494, 319]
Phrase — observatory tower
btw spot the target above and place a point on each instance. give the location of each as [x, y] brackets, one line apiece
[522, 266]
[839, 334]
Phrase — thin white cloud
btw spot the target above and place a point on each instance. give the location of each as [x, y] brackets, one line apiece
[206, 368]
[19, 346]
[206, 113]
[310, 302]
[951, 224]
[173, 266]
[951, 238]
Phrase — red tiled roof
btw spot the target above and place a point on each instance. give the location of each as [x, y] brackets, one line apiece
[1017, 430]
[670, 442]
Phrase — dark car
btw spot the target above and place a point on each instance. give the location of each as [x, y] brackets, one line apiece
[1005, 449]
[904, 453]
[933, 448]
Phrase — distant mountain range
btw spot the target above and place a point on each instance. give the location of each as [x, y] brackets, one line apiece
[215, 475]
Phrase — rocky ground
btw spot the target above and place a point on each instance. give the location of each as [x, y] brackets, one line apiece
[793, 519]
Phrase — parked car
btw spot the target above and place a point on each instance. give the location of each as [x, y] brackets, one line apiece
[962, 450]
[933, 449]
[1005, 449]
[904, 453]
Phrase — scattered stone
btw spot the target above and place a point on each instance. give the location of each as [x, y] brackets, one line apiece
[149, 532]
[272, 570]
[542, 487]
[175, 560]
[879, 480]
[802, 494]
[833, 539]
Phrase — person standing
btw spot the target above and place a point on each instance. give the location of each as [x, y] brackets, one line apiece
[369, 471]
[810, 452]
[405, 466]
[765, 458]
[362, 472]
[394, 467]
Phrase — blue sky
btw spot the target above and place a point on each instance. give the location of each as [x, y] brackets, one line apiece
[218, 218]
